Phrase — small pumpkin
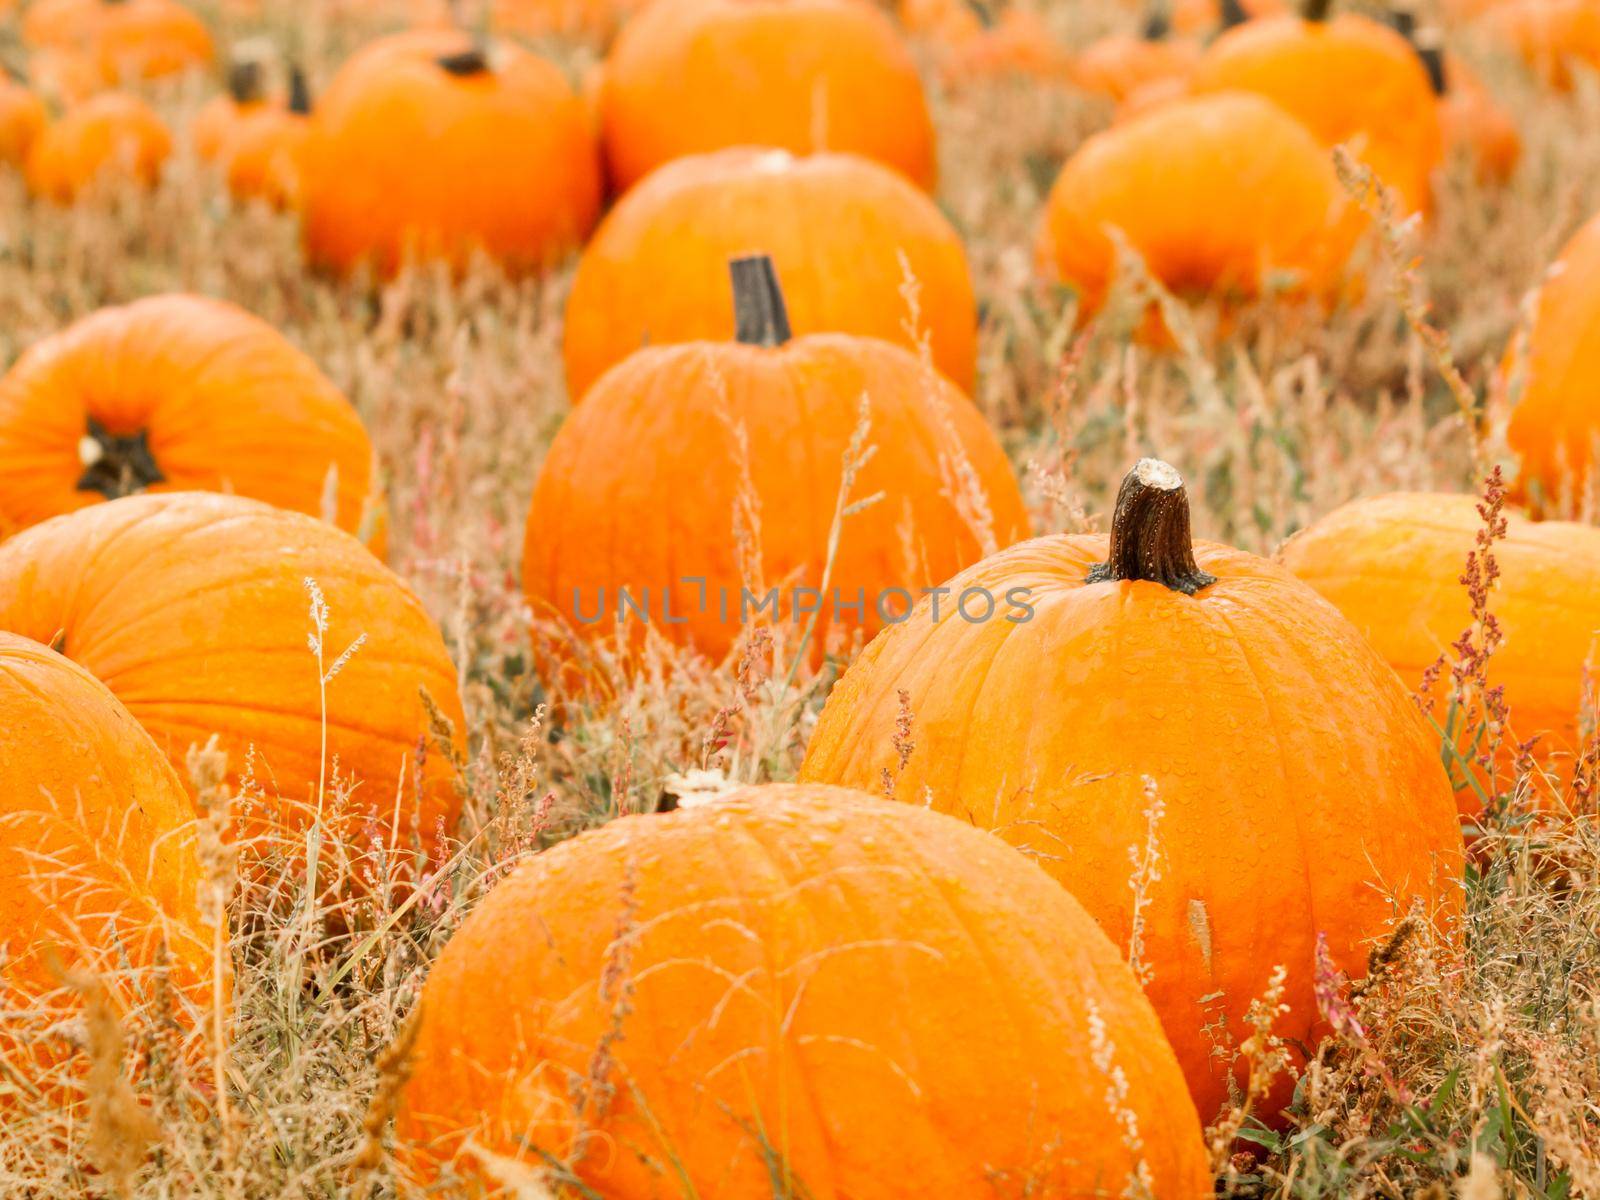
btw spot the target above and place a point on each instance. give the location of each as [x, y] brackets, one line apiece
[690, 76]
[179, 393]
[262, 159]
[22, 119]
[703, 990]
[125, 41]
[1293, 773]
[843, 232]
[1118, 65]
[1262, 204]
[194, 609]
[1477, 125]
[1348, 78]
[97, 852]
[429, 145]
[110, 136]
[1553, 379]
[214, 126]
[1551, 36]
[667, 444]
[1392, 565]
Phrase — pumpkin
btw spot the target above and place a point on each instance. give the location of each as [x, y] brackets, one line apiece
[219, 118]
[178, 393]
[655, 448]
[1120, 64]
[125, 41]
[1348, 78]
[22, 120]
[1293, 773]
[835, 225]
[1392, 565]
[1260, 198]
[430, 145]
[1556, 417]
[1551, 36]
[706, 988]
[112, 135]
[261, 160]
[97, 853]
[973, 41]
[1476, 125]
[689, 76]
[194, 609]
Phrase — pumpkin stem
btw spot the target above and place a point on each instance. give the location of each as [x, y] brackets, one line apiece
[1157, 23]
[299, 92]
[1432, 56]
[472, 61]
[1231, 13]
[116, 466]
[1150, 537]
[244, 81]
[1317, 11]
[760, 317]
[985, 15]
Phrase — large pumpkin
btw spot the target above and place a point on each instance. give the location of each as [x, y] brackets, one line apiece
[96, 850]
[1348, 78]
[1393, 564]
[195, 610]
[113, 135]
[843, 231]
[122, 41]
[179, 393]
[22, 120]
[429, 145]
[676, 441]
[1297, 783]
[687, 76]
[1556, 381]
[1261, 203]
[797, 991]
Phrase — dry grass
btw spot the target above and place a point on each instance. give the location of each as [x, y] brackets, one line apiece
[1470, 1071]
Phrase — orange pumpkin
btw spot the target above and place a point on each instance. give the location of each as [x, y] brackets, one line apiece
[219, 118]
[96, 849]
[716, 968]
[1552, 36]
[835, 225]
[1348, 78]
[1392, 565]
[655, 448]
[1260, 197]
[262, 159]
[1475, 124]
[111, 136]
[688, 76]
[22, 120]
[124, 41]
[1293, 773]
[179, 393]
[427, 145]
[1119, 65]
[194, 609]
[1554, 377]
[972, 42]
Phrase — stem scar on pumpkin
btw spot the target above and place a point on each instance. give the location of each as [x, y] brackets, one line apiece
[116, 466]
[472, 61]
[1150, 538]
[760, 317]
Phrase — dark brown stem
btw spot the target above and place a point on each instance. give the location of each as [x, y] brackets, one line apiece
[1317, 10]
[1432, 56]
[760, 317]
[472, 61]
[116, 466]
[1157, 23]
[1231, 13]
[982, 11]
[299, 92]
[1404, 21]
[245, 82]
[1150, 537]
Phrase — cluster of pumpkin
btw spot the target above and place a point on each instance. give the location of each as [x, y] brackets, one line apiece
[691, 1003]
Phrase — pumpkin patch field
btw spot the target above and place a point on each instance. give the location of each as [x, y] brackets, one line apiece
[799, 599]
